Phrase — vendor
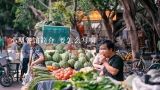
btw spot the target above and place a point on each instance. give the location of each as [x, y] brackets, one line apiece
[113, 64]
[37, 54]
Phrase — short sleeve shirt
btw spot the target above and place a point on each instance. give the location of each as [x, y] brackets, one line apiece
[116, 62]
[25, 50]
[36, 52]
[1, 42]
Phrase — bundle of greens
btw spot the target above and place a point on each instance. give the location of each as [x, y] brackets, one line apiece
[88, 81]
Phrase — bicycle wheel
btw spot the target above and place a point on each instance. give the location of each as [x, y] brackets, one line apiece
[127, 70]
[138, 65]
[155, 66]
[6, 80]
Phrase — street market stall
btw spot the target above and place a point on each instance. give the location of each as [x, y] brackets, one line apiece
[69, 69]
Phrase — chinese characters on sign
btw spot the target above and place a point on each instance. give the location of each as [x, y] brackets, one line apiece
[56, 34]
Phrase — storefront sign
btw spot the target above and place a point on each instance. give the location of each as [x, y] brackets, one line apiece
[55, 34]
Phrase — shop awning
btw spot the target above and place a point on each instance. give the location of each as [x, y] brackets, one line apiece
[94, 15]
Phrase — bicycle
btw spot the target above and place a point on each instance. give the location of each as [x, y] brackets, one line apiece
[6, 78]
[136, 66]
[133, 67]
[122, 53]
[155, 64]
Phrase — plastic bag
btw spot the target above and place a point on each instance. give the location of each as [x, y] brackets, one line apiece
[45, 85]
[27, 77]
[138, 84]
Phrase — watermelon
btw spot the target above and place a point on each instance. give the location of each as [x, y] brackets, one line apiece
[63, 64]
[65, 56]
[56, 57]
[48, 63]
[55, 64]
[81, 51]
[74, 57]
[91, 60]
[87, 64]
[78, 65]
[82, 60]
[71, 62]
[60, 47]
[82, 55]
[60, 51]
[48, 57]
[89, 55]
[51, 53]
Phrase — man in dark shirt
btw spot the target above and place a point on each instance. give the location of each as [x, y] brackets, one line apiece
[113, 64]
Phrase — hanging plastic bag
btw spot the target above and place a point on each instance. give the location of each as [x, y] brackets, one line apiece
[27, 77]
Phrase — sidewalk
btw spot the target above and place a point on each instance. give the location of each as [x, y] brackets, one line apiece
[15, 86]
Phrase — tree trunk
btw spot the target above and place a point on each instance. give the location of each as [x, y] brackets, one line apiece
[153, 12]
[107, 25]
[37, 13]
[74, 22]
[128, 14]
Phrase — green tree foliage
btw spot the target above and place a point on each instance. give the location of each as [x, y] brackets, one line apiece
[7, 9]
[25, 19]
[17, 14]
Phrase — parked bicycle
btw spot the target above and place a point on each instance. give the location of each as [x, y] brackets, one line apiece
[6, 78]
[155, 64]
[140, 66]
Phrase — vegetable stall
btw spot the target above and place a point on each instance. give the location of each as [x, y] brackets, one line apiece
[69, 69]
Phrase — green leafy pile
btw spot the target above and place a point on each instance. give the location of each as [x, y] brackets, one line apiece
[88, 81]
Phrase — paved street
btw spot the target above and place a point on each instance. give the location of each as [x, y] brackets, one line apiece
[15, 86]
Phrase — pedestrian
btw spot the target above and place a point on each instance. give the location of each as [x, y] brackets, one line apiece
[1, 43]
[14, 50]
[14, 46]
[25, 52]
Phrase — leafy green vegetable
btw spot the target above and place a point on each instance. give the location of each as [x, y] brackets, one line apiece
[36, 80]
[61, 85]
[88, 81]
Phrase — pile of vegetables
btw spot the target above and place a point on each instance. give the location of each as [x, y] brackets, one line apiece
[39, 71]
[63, 73]
[40, 74]
[36, 80]
[66, 79]
[62, 58]
[62, 85]
[63, 64]
[91, 81]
